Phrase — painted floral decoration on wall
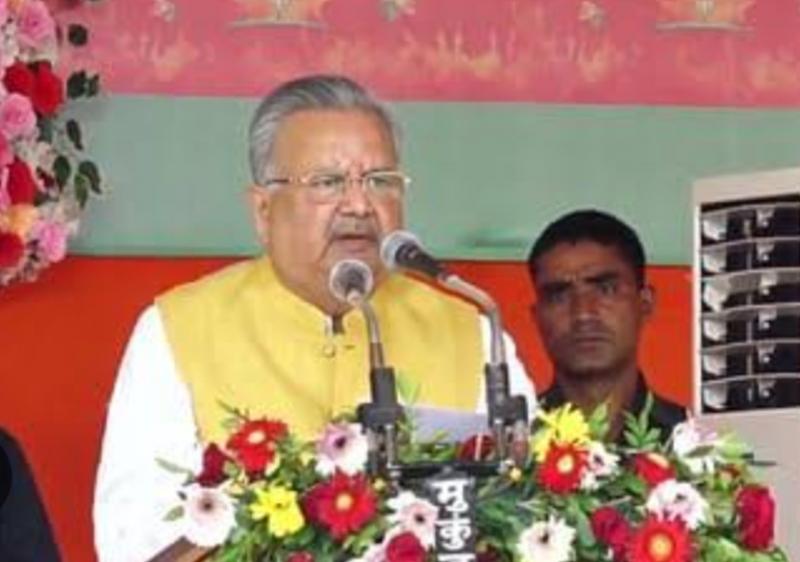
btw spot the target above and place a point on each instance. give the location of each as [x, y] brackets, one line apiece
[46, 179]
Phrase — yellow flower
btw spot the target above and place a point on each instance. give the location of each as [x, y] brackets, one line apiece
[19, 219]
[541, 441]
[563, 425]
[279, 505]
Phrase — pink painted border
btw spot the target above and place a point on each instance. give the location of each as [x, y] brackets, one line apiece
[741, 53]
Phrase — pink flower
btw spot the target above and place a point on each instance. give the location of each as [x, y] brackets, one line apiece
[6, 152]
[209, 516]
[343, 446]
[35, 25]
[5, 196]
[678, 500]
[3, 11]
[17, 118]
[52, 238]
[415, 515]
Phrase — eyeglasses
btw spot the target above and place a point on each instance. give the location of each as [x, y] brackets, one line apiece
[326, 187]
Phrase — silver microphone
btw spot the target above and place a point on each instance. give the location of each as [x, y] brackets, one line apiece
[403, 250]
[351, 281]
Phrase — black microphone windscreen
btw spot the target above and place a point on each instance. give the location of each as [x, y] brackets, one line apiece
[393, 244]
[401, 249]
[349, 278]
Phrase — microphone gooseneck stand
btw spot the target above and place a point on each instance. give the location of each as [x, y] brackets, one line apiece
[451, 486]
[381, 416]
[505, 412]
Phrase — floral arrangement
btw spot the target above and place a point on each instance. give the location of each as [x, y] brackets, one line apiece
[45, 180]
[690, 497]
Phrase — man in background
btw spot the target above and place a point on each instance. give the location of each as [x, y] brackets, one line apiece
[266, 335]
[588, 272]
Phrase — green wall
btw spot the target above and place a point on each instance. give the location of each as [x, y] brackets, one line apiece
[487, 176]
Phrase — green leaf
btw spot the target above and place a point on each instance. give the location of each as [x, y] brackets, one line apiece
[174, 514]
[407, 389]
[81, 185]
[653, 436]
[45, 129]
[732, 447]
[89, 169]
[584, 527]
[598, 421]
[77, 84]
[74, 134]
[230, 469]
[62, 170]
[644, 415]
[174, 468]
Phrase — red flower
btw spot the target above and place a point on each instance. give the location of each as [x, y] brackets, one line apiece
[21, 187]
[612, 529]
[12, 248]
[300, 557]
[342, 504]
[756, 509]
[477, 448]
[48, 90]
[562, 468]
[653, 468]
[405, 547]
[254, 445]
[19, 79]
[213, 466]
[661, 541]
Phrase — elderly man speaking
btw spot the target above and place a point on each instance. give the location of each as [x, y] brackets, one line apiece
[266, 335]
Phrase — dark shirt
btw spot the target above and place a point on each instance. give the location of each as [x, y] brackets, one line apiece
[664, 414]
[25, 534]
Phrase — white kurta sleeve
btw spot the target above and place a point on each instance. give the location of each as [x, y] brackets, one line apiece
[519, 381]
[149, 417]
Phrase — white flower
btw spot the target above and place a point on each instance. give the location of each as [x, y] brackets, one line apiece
[416, 515]
[208, 515]
[546, 541]
[601, 463]
[343, 446]
[678, 500]
[9, 46]
[695, 446]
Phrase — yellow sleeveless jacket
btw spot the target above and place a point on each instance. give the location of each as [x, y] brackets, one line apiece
[239, 337]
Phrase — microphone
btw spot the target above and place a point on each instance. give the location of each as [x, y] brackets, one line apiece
[401, 249]
[350, 281]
